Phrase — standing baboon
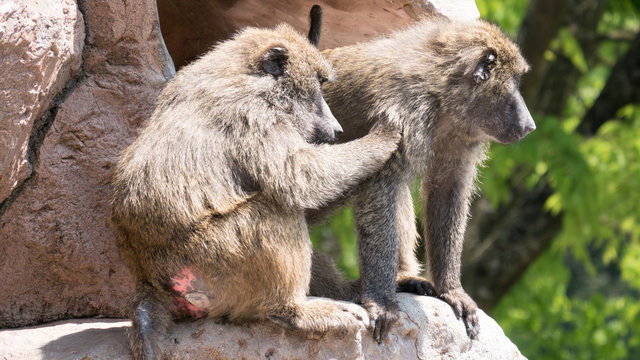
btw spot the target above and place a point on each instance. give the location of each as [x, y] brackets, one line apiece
[209, 200]
[454, 88]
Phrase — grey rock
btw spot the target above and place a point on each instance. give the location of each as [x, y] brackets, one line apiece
[427, 329]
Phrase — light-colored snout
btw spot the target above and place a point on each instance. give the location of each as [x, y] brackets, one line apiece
[335, 125]
[524, 116]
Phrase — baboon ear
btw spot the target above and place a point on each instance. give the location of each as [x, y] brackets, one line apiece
[315, 25]
[274, 61]
[484, 66]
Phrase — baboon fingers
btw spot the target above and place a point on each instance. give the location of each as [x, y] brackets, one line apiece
[377, 330]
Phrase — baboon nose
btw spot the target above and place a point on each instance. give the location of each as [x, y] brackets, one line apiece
[337, 133]
[530, 127]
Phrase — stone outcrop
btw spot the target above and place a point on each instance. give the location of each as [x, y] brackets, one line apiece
[427, 330]
[40, 51]
[59, 258]
[188, 30]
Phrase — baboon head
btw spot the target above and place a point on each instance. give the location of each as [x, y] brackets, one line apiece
[288, 72]
[484, 80]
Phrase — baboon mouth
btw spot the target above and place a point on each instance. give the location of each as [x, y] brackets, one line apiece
[320, 137]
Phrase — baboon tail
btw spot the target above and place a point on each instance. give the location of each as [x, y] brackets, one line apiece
[150, 320]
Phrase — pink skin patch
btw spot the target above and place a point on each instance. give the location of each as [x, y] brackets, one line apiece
[192, 296]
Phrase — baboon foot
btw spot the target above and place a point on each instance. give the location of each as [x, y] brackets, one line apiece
[318, 316]
[415, 285]
[381, 318]
[464, 307]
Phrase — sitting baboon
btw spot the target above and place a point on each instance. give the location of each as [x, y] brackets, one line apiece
[454, 88]
[209, 200]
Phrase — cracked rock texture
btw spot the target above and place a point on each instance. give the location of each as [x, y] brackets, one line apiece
[427, 329]
[59, 258]
[40, 50]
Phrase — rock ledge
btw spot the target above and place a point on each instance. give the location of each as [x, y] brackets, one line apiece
[427, 329]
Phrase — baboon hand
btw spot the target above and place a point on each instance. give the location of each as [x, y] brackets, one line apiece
[387, 130]
[464, 307]
[381, 318]
[415, 285]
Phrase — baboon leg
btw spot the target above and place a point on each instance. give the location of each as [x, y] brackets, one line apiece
[408, 264]
[375, 215]
[315, 315]
[327, 281]
[150, 320]
[319, 315]
[446, 210]
[408, 279]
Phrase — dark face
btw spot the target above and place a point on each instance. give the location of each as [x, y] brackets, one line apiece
[511, 122]
[311, 114]
[504, 117]
[496, 107]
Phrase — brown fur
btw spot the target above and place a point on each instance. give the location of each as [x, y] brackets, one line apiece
[219, 179]
[454, 88]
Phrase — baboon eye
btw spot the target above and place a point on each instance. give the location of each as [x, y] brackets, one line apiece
[274, 61]
[322, 79]
[483, 70]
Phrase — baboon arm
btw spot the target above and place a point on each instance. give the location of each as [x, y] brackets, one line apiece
[310, 176]
[328, 281]
[323, 173]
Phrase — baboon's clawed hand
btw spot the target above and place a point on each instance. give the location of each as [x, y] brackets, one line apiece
[209, 200]
[454, 88]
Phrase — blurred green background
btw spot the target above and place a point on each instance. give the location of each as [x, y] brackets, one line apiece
[552, 251]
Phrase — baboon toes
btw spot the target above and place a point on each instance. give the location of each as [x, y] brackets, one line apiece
[381, 319]
[416, 286]
[464, 308]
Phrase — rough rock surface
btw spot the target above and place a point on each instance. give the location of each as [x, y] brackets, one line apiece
[188, 30]
[427, 330]
[59, 258]
[40, 50]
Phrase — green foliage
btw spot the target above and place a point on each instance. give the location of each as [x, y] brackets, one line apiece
[546, 323]
[507, 13]
[340, 230]
[595, 183]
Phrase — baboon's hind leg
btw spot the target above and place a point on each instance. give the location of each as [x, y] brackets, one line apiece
[328, 281]
[408, 279]
[319, 315]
